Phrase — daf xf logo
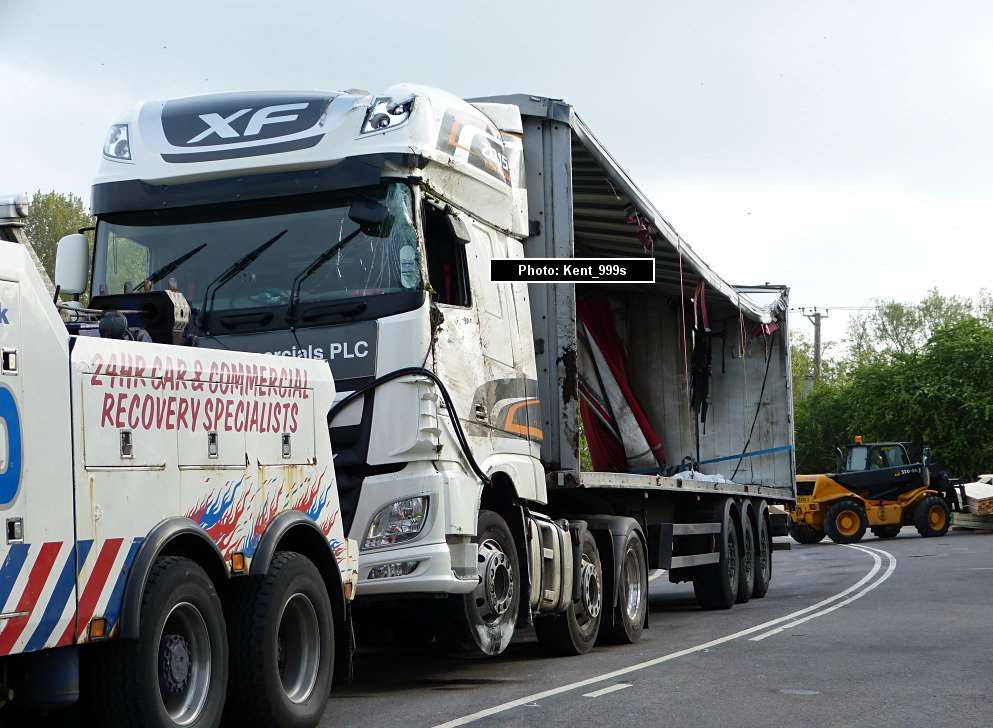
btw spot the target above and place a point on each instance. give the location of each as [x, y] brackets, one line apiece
[221, 125]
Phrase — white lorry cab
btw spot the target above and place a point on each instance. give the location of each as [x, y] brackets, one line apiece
[360, 229]
[172, 538]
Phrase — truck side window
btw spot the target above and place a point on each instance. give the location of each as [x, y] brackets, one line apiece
[447, 267]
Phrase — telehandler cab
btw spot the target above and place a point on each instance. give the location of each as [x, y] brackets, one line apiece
[875, 487]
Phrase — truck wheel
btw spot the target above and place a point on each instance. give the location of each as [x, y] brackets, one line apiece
[802, 533]
[176, 672]
[486, 616]
[746, 575]
[632, 594]
[763, 556]
[574, 632]
[886, 531]
[845, 521]
[716, 585]
[282, 645]
[932, 517]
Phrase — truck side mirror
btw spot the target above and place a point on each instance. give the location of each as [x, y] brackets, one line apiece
[72, 262]
[370, 216]
[460, 231]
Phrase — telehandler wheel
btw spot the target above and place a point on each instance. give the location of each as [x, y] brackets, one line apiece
[716, 585]
[886, 531]
[802, 533]
[176, 672]
[574, 632]
[746, 575]
[282, 645]
[632, 594]
[932, 516]
[763, 555]
[485, 618]
[845, 521]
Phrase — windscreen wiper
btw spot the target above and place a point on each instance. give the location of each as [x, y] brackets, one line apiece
[235, 268]
[320, 260]
[168, 268]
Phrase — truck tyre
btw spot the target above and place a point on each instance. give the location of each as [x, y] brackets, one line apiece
[746, 574]
[282, 645]
[845, 521]
[632, 594]
[802, 533]
[886, 531]
[716, 585]
[763, 555]
[176, 672]
[574, 632]
[485, 617]
[932, 516]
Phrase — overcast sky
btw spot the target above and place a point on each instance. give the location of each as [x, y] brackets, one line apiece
[843, 148]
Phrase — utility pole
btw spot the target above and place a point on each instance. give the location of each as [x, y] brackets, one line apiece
[815, 318]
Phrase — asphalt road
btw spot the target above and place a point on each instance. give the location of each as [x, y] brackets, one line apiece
[897, 636]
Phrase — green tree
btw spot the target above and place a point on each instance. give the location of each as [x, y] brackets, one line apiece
[50, 216]
[900, 328]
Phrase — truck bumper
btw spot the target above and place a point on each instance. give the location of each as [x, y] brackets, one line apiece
[441, 558]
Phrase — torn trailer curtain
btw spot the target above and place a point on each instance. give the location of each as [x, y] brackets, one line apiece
[618, 432]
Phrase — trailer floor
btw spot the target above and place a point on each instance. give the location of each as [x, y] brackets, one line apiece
[908, 646]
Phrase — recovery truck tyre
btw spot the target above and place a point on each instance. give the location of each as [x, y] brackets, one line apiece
[632, 594]
[176, 672]
[886, 531]
[746, 575]
[574, 632]
[802, 533]
[763, 554]
[282, 645]
[716, 585]
[845, 521]
[932, 516]
[485, 618]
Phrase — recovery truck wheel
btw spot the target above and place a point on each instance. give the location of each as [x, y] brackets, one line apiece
[763, 555]
[886, 531]
[485, 618]
[282, 645]
[932, 516]
[746, 575]
[802, 533]
[176, 672]
[574, 632]
[716, 585]
[632, 594]
[845, 521]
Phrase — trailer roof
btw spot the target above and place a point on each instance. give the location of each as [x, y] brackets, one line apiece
[604, 196]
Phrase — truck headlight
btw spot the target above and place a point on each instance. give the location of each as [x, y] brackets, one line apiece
[400, 521]
[118, 144]
[385, 113]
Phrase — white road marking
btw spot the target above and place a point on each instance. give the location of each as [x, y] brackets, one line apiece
[503, 707]
[838, 605]
[604, 691]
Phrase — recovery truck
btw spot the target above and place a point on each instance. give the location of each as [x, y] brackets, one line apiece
[361, 229]
[172, 532]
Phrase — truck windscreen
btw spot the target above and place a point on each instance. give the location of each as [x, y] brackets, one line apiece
[269, 243]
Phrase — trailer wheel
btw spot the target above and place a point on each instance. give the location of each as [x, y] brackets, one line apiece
[176, 672]
[282, 645]
[632, 594]
[746, 575]
[886, 531]
[574, 632]
[802, 533]
[485, 618]
[845, 521]
[763, 556]
[932, 516]
[716, 585]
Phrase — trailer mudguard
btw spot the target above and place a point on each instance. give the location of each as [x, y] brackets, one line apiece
[617, 528]
[197, 544]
